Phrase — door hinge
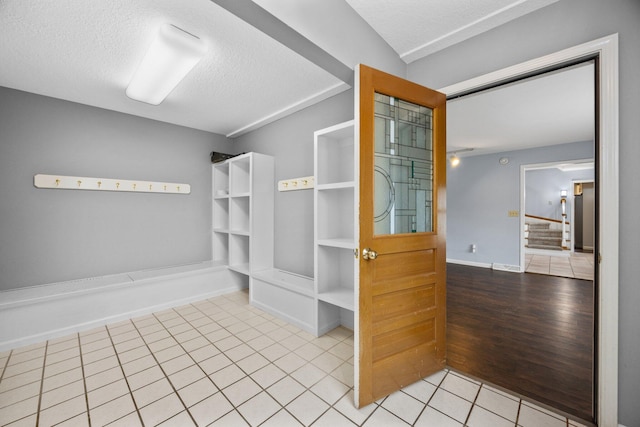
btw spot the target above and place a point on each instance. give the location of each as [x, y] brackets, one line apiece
[355, 253]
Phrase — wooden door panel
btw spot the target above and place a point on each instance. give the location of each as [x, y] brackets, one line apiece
[399, 304]
[403, 369]
[398, 265]
[401, 294]
[402, 339]
[403, 321]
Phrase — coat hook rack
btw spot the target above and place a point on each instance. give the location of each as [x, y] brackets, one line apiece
[304, 183]
[62, 182]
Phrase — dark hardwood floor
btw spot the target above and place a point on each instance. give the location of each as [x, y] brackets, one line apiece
[529, 333]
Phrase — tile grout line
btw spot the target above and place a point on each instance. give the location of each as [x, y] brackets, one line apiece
[473, 405]
[518, 414]
[115, 350]
[6, 364]
[84, 380]
[44, 364]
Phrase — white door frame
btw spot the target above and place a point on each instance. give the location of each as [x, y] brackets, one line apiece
[533, 166]
[606, 49]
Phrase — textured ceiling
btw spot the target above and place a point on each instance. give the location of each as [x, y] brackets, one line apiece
[86, 51]
[416, 28]
[555, 108]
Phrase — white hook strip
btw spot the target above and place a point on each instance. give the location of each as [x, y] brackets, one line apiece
[62, 182]
[304, 183]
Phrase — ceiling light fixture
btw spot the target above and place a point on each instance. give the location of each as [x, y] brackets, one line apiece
[171, 56]
[454, 160]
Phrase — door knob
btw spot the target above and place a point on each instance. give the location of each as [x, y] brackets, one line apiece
[369, 254]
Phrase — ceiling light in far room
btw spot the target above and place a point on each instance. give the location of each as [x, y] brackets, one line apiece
[171, 56]
[454, 160]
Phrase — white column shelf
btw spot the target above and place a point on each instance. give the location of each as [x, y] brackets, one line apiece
[335, 225]
[242, 210]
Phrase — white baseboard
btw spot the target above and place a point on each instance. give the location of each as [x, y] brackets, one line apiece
[283, 315]
[469, 263]
[41, 313]
[506, 267]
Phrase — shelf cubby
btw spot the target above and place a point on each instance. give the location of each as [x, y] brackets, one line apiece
[336, 277]
[220, 247]
[239, 214]
[335, 154]
[330, 316]
[240, 176]
[221, 214]
[335, 213]
[220, 179]
[239, 253]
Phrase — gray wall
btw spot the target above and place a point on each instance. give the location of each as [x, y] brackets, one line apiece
[290, 141]
[558, 26]
[481, 191]
[56, 235]
[543, 187]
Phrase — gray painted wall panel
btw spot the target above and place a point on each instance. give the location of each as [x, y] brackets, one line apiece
[57, 235]
[558, 26]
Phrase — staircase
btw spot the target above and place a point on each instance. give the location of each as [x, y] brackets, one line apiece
[543, 237]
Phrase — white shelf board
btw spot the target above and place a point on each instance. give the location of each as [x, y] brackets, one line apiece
[240, 268]
[239, 232]
[220, 230]
[344, 242]
[335, 185]
[239, 195]
[340, 296]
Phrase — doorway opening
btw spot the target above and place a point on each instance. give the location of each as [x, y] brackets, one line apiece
[605, 52]
[557, 238]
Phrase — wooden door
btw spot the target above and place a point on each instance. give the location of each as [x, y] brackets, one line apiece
[400, 335]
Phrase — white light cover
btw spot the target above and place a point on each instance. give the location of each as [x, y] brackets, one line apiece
[170, 57]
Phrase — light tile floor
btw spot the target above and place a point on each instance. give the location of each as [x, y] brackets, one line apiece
[578, 265]
[221, 362]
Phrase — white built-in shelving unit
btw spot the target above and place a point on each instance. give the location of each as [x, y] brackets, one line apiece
[243, 234]
[335, 223]
[242, 209]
